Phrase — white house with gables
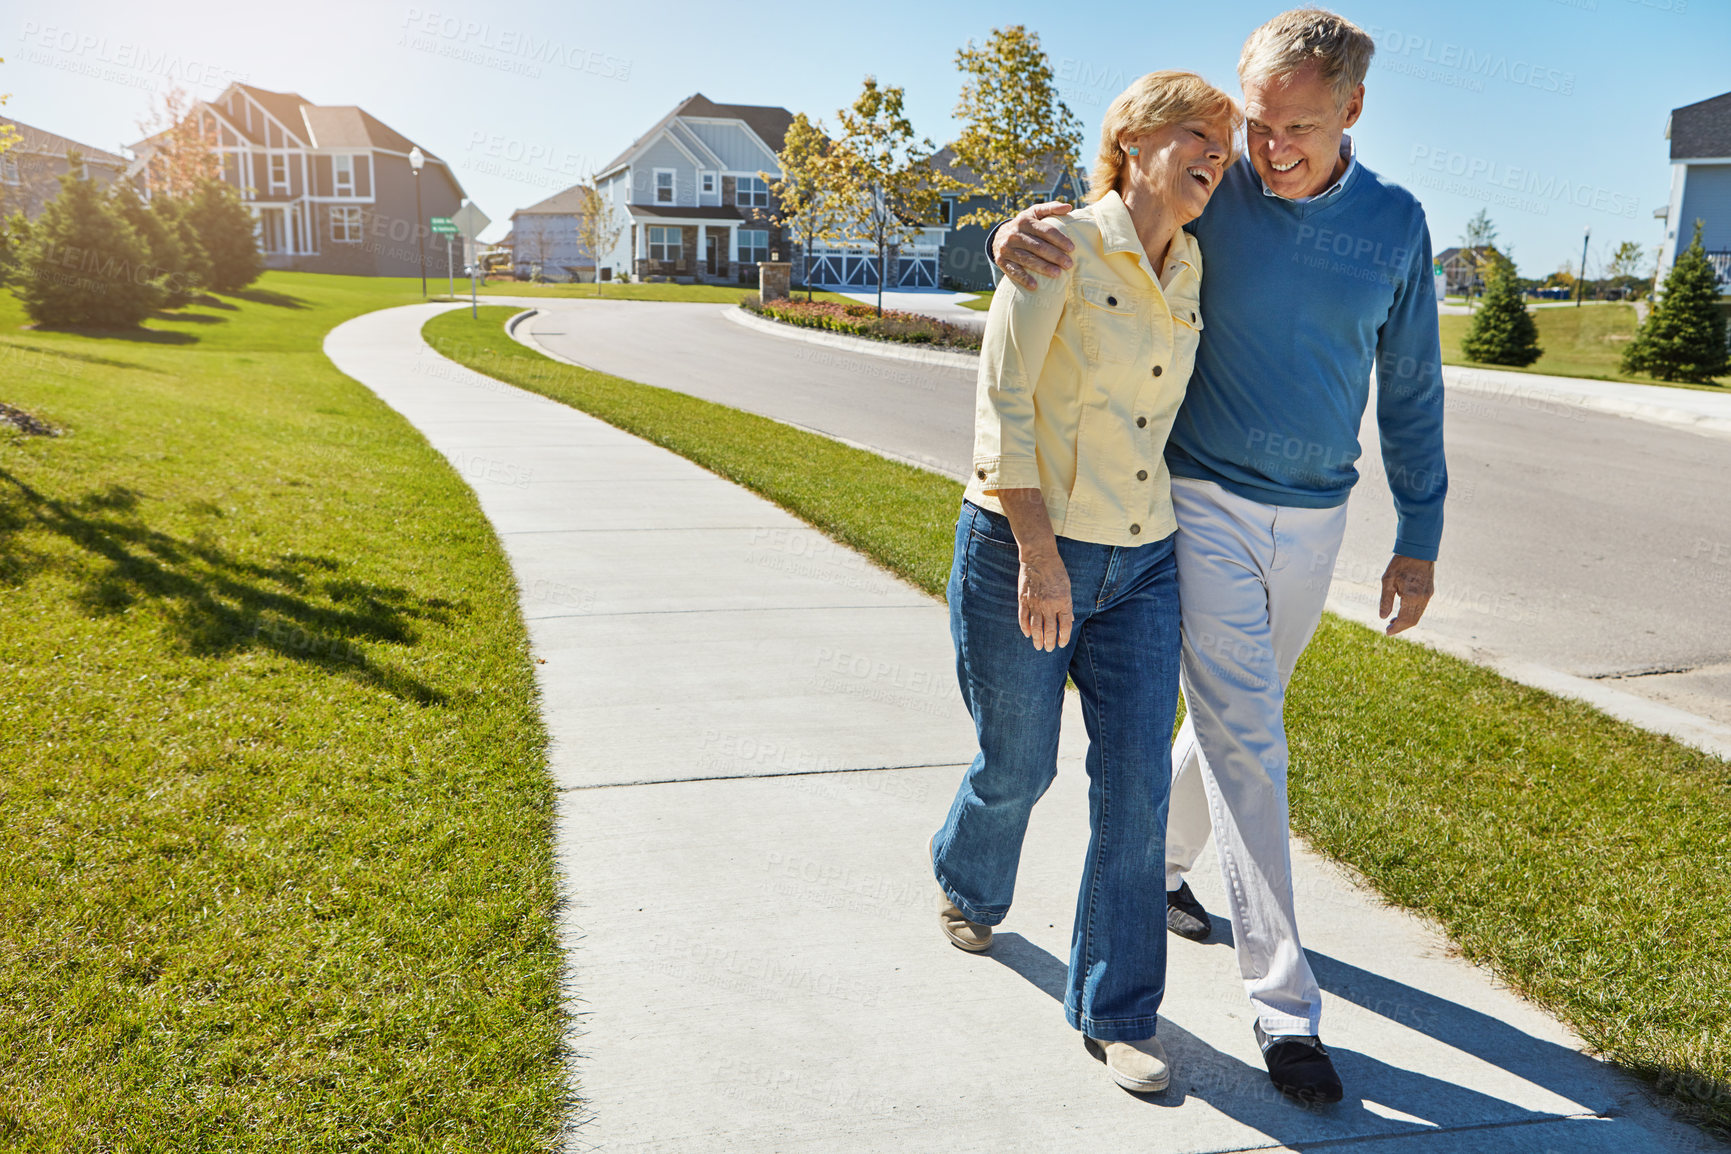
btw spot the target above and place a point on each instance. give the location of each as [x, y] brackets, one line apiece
[331, 185]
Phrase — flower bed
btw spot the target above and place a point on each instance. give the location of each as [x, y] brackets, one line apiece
[861, 320]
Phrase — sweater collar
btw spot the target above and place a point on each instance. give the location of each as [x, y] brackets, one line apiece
[1348, 153]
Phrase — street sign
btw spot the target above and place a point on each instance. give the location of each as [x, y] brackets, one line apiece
[470, 221]
[443, 226]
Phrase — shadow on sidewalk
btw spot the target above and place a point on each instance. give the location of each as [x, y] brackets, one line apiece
[1244, 1093]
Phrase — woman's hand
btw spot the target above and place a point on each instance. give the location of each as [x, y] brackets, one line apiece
[1043, 600]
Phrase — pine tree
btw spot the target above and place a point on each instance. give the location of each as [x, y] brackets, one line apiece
[1502, 332]
[168, 255]
[1684, 337]
[176, 214]
[229, 236]
[84, 265]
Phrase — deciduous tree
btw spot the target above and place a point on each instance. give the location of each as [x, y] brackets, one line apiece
[600, 224]
[183, 143]
[885, 186]
[805, 196]
[1016, 128]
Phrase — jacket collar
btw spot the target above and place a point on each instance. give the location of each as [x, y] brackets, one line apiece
[1118, 233]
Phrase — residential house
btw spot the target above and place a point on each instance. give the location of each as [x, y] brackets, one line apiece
[332, 186]
[965, 264]
[1464, 268]
[545, 240]
[1700, 136]
[31, 169]
[696, 204]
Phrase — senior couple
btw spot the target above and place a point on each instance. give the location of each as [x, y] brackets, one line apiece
[1137, 522]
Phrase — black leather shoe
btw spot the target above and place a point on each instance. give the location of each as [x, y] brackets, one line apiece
[1299, 1067]
[1185, 915]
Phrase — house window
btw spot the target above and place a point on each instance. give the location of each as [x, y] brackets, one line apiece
[346, 225]
[751, 192]
[664, 186]
[753, 245]
[278, 172]
[343, 168]
[708, 183]
[666, 244]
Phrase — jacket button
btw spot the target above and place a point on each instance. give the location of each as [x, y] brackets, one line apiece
[1141, 474]
[1135, 529]
[1113, 301]
[981, 474]
[1158, 370]
[1141, 422]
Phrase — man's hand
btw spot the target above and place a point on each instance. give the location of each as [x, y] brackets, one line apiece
[1043, 604]
[1031, 244]
[1413, 581]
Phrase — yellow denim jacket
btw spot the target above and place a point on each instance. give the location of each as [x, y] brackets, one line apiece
[1081, 379]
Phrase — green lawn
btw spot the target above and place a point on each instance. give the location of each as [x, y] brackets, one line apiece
[1586, 861]
[275, 872]
[1578, 342]
[980, 303]
[700, 293]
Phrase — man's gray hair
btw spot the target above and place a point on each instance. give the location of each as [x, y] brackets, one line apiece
[1340, 48]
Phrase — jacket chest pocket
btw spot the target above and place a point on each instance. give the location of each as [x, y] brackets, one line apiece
[1114, 324]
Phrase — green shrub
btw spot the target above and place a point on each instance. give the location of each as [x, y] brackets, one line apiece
[1502, 331]
[229, 236]
[1684, 337]
[84, 265]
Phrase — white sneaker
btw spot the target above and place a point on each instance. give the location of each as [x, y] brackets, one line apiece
[1139, 1067]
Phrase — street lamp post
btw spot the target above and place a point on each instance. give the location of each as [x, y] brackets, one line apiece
[417, 158]
[1581, 281]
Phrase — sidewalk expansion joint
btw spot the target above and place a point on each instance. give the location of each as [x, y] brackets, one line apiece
[762, 776]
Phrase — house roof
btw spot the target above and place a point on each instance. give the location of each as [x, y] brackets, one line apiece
[318, 125]
[944, 160]
[564, 202]
[285, 106]
[41, 142]
[1701, 130]
[1449, 254]
[768, 122]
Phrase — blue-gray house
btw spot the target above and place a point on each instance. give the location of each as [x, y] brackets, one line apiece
[1700, 136]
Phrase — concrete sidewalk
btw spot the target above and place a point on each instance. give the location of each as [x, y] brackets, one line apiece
[756, 731]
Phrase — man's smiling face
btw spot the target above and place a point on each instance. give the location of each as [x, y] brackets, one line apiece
[1292, 128]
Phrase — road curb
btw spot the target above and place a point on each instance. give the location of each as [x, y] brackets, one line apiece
[1520, 387]
[854, 344]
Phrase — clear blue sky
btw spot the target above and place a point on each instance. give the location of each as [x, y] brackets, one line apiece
[1547, 112]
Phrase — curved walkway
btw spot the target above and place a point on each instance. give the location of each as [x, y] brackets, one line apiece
[756, 730]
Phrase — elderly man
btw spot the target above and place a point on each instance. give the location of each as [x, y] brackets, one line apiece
[1317, 268]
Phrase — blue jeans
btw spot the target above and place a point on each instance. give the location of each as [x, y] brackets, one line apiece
[1123, 656]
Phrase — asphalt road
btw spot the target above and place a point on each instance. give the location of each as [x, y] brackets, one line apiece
[1591, 544]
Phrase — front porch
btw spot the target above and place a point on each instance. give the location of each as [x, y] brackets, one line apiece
[696, 245]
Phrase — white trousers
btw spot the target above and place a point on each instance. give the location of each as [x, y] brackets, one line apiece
[1252, 581]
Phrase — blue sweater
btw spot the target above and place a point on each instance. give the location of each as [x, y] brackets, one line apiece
[1299, 300]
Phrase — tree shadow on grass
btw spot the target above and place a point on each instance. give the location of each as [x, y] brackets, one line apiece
[13, 348]
[135, 336]
[214, 603]
[260, 296]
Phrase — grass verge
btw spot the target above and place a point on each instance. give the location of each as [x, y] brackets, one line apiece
[1586, 861]
[980, 303]
[275, 873]
[1578, 342]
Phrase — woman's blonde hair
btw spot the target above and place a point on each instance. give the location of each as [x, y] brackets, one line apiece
[1151, 103]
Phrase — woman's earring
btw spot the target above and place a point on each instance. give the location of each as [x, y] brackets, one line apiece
[1133, 150]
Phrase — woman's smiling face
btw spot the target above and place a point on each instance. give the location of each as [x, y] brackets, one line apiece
[1179, 165]
[1292, 128]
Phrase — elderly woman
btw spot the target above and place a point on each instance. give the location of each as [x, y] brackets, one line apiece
[1063, 561]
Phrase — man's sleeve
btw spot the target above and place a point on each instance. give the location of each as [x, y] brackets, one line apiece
[1409, 406]
[1019, 332]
